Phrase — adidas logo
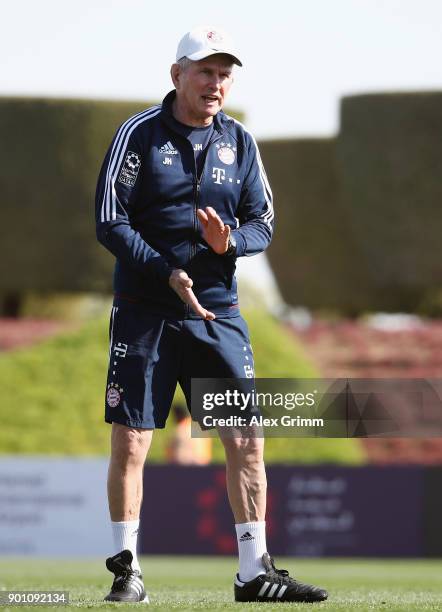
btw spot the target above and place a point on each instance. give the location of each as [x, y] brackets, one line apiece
[246, 536]
[168, 149]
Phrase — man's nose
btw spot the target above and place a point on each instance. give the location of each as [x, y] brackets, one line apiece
[215, 83]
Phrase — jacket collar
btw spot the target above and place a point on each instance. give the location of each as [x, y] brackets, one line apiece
[220, 121]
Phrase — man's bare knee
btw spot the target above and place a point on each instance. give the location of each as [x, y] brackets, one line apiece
[129, 445]
[244, 450]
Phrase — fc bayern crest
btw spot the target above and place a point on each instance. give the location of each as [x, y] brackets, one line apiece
[113, 397]
[226, 155]
[214, 37]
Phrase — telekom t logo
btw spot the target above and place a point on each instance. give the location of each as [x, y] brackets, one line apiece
[219, 175]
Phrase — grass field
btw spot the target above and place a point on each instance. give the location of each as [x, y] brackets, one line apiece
[197, 583]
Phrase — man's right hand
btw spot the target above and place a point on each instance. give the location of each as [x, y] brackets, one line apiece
[181, 283]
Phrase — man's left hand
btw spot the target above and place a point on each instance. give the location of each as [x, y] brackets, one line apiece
[215, 233]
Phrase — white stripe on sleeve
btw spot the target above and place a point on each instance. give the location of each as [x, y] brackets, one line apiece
[118, 149]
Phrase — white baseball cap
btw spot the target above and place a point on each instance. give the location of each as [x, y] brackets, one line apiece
[204, 41]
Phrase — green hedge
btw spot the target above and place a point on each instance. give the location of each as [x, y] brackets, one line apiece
[53, 396]
[49, 164]
[314, 257]
[358, 218]
[389, 155]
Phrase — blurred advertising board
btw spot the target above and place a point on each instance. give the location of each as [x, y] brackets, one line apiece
[312, 511]
[53, 506]
[58, 507]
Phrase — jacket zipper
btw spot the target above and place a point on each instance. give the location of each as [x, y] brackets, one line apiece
[196, 197]
[197, 192]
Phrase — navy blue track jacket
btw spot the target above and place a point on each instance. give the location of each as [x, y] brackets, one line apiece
[147, 196]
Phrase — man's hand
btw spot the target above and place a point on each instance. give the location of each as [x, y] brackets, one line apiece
[181, 283]
[215, 233]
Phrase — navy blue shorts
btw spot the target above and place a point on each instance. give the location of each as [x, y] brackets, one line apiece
[149, 355]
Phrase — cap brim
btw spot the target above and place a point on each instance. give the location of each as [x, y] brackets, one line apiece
[199, 55]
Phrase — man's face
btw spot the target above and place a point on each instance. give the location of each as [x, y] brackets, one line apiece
[203, 86]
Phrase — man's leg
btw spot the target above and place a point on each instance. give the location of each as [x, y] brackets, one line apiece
[246, 478]
[144, 358]
[258, 579]
[129, 447]
[246, 489]
[221, 349]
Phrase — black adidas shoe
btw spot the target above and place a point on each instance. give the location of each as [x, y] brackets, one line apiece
[276, 585]
[128, 583]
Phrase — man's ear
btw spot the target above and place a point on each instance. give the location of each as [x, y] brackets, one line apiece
[175, 73]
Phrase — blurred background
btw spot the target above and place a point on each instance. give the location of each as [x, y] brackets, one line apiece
[345, 99]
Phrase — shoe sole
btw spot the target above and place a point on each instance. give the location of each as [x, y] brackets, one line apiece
[145, 601]
[265, 600]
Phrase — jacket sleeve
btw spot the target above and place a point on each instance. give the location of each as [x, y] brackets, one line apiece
[255, 210]
[117, 189]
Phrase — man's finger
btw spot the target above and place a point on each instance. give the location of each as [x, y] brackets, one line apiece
[211, 212]
[181, 277]
[190, 299]
[186, 283]
[202, 217]
[181, 283]
[179, 280]
[213, 216]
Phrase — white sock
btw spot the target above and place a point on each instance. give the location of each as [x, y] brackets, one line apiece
[251, 547]
[125, 538]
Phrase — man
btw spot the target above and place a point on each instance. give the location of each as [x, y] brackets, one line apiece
[182, 193]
